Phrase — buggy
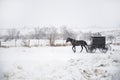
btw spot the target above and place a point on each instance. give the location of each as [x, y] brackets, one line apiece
[98, 42]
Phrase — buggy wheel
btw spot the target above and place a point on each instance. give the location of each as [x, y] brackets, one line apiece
[104, 50]
[91, 49]
[108, 46]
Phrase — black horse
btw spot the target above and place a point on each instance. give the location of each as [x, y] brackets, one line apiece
[74, 43]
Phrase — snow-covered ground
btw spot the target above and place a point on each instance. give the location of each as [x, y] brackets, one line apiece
[58, 63]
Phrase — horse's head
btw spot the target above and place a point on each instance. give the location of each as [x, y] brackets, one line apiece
[68, 39]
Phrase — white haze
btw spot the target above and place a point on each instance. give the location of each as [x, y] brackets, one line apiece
[86, 15]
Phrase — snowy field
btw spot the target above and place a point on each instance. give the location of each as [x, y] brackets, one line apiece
[58, 63]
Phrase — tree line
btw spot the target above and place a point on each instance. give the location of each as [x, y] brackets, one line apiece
[48, 33]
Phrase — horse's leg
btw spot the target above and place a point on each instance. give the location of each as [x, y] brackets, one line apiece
[74, 49]
[81, 48]
[86, 48]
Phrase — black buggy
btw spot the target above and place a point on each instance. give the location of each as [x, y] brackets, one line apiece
[98, 42]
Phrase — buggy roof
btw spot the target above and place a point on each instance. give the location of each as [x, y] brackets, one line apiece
[98, 37]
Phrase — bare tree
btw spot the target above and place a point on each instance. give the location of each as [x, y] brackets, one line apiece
[51, 34]
[111, 38]
[25, 43]
[13, 34]
[87, 36]
[67, 33]
[37, 34]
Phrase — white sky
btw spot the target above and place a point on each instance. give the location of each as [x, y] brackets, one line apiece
[81, 14]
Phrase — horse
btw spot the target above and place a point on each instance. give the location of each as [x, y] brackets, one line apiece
[75, 43]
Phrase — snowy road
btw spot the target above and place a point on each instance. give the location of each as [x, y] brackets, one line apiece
[58, 63]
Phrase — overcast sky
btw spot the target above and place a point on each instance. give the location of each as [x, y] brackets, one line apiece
[81, 14]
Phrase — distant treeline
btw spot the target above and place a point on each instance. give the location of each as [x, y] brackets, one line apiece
[49, 33]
